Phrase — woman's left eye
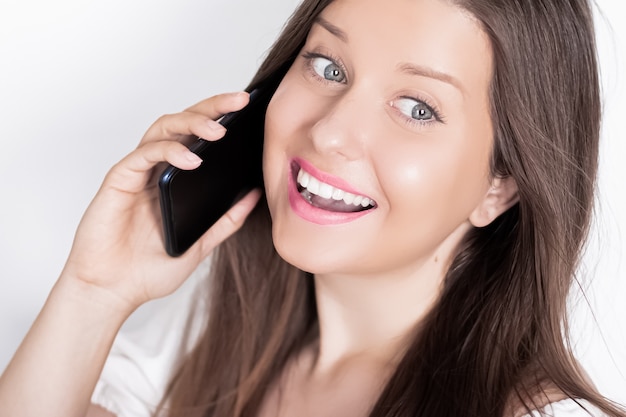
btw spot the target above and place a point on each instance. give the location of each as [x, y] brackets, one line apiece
[415, 109]
[327, 69]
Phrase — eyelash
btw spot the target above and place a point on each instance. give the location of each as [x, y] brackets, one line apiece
[437, 116]
[309, 56]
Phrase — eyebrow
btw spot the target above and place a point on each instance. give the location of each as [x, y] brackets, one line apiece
[423, 71]
[331, 28]
[406, 67]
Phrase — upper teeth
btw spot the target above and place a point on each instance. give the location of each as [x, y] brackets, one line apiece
[315, 186]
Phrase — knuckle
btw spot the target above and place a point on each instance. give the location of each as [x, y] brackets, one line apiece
[231, 220]
[164, 125]
[225, 226]
[142, 149]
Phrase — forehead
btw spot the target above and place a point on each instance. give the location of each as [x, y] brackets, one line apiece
[424, 32]
[403, 15]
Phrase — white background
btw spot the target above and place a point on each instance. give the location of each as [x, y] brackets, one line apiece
[81, 81]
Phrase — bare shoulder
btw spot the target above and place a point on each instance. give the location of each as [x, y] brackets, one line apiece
[97, 411]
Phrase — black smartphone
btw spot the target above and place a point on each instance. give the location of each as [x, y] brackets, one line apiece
[192, 201]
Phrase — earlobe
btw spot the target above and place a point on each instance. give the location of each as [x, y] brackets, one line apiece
[501, 196]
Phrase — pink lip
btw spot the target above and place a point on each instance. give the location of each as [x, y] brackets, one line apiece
[327, 178]
[315, 214]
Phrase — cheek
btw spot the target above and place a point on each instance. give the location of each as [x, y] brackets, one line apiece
[283, 127]
[290, 115]
[281, 113]
[440, 178]
[283, 119]
[272, 171]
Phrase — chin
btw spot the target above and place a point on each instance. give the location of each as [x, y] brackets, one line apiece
[306, 254]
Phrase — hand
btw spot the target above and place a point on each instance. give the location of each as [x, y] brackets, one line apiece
[118, 249]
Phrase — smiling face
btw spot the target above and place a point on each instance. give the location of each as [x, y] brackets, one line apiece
[378, 139]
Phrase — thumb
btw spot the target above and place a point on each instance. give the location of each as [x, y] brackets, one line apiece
[229, 223]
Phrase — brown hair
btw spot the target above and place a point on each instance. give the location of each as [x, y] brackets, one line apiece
[494, 342]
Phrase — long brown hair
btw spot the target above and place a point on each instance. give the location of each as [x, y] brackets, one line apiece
[495, 340]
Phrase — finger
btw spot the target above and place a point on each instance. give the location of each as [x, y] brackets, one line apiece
[217, 106]
[132, 173]
[181, 126]
[197, 121]
[228, 224]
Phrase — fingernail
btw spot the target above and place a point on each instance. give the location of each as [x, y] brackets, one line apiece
[192, 157]
[239, 95]
[213, 125]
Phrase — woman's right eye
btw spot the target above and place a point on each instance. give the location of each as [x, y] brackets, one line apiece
[327, 69]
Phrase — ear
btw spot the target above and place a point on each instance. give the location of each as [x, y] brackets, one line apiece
[501, 196]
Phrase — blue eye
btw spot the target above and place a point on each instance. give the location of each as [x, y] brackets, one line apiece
[327, 69]
[415, 109]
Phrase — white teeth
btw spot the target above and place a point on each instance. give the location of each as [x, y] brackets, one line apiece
[349, 198]
[326, 190]
[338, 194]
[303, 179]
[315, 186]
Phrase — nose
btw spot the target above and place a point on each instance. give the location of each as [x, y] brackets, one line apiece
[343, 127]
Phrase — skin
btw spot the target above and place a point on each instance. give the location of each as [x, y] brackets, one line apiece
[109, 273]
[377, 275]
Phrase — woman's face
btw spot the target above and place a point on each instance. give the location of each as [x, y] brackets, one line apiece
[378, 139]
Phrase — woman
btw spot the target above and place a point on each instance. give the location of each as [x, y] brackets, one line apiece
[466, 134]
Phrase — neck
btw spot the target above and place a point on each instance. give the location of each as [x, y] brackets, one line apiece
[372, 316]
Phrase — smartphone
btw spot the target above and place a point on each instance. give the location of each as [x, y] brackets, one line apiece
[192, 201]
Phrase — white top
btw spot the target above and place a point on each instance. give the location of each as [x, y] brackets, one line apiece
[569, 408]
[147, 349]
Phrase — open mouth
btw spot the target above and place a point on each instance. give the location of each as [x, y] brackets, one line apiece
[327, 197]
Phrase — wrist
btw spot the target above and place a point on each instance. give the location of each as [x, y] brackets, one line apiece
[94, 301]
[59, 361]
